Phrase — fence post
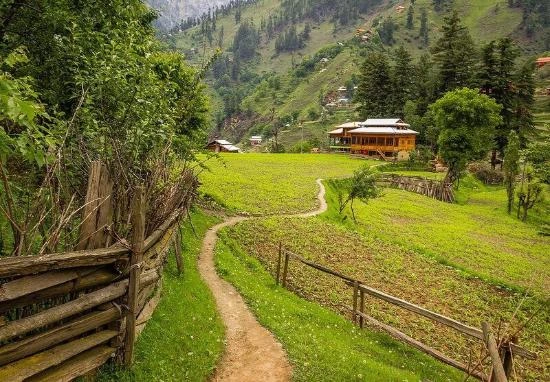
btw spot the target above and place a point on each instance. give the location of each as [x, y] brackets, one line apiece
[355, 295]
[279, 263]
[361, 308]
[506, 356]
[497, 374]
[285, 269]
[177, 250]
[138, 236]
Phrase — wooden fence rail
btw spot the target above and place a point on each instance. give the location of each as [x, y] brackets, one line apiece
[64, 315]
[436, 189]
[501, 356]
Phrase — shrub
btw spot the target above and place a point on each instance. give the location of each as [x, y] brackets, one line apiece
[485, 173]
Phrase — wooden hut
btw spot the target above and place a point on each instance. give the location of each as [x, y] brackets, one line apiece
[222, 146]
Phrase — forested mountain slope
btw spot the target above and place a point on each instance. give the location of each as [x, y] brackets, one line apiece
[280, 61]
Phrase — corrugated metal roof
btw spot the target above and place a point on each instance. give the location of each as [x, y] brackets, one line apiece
[383, 130]
[231, 147]
[223, 142]
[337, 131]
[348, 125]
[384, 122]
[256, 137]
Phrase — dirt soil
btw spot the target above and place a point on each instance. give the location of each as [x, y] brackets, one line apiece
[252, 353]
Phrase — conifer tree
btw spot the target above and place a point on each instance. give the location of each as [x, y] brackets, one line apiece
[423, 33]
[375, 86]
[410, 18]
[401, 80]
[454, 54]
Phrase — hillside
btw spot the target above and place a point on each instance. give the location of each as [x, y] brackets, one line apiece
[288, 86]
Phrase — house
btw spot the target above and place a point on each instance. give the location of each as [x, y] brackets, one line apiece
[542, 61]
[222, 146]
[340, 139]
[377, 138]
[255, 140]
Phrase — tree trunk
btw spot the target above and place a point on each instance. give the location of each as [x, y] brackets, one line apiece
[494, 159]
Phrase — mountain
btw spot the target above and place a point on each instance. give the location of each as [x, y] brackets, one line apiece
[172, 12]
[282, 61]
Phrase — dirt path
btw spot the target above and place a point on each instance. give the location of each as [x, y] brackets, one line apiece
[252, 353]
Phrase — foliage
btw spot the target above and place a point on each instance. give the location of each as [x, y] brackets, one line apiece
[91, 83]
[454, 54]
[538, 155]
[374, 87]
[530, 192]
[184, 338]
[466, 121]
[485, 173]
[511, 167]
[361, 186]
[246, 41]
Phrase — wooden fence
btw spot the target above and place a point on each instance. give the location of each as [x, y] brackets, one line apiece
[64, 315]
[501, 355]
[435, 189]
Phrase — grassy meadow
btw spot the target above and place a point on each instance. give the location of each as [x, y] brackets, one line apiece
[184, 339]
[469, 260]
[272, 183]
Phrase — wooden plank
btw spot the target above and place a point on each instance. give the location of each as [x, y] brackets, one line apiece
[138, 236]
[53, 315]
[177, 251]
[148, 310]
[419, 345]
[27, 367]
[29, 284]
[76, 366]
[91, 204]
[104, 214]
[322, 268]
[31, 345]
[27, 265]
[100, 277]
[468, 330]
[355, 297]
[497, 374]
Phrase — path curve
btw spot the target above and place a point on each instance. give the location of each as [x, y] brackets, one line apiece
[252, 353]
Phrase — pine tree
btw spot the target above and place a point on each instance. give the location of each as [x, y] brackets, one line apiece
[401, 80]
[454, 54]
[410, 18]
[375, 87]
[423, 33]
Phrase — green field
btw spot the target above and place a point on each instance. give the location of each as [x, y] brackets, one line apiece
[471, 261]
[272, 183]
[184, 339]
[322, 345]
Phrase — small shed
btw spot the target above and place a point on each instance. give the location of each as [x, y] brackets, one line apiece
[255, 140]
[222, 146]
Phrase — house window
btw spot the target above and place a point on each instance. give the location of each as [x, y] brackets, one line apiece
[389, 141]
[380, 141]
[352, 140]
[372, 140]
[388, 154]
[396, 142]
[372, 153]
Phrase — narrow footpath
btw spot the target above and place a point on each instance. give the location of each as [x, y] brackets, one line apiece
[252, 353]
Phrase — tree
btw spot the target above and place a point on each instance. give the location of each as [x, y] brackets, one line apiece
[511, 167]
[423, 31]
[530, 193]
[454, 54]
[538, 154]
[361, 186]
[401, 79]
[375, 87]
[466, 122]
[410, 18]
[246, 41]
[385, 31]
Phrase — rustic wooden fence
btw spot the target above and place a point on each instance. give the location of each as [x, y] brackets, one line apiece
[435, 189]
[64, 315]
[501, 355]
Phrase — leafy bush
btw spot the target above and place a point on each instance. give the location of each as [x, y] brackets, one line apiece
[485, 173]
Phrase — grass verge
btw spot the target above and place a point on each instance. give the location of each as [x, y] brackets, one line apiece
[322, 345]
[184, 339]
